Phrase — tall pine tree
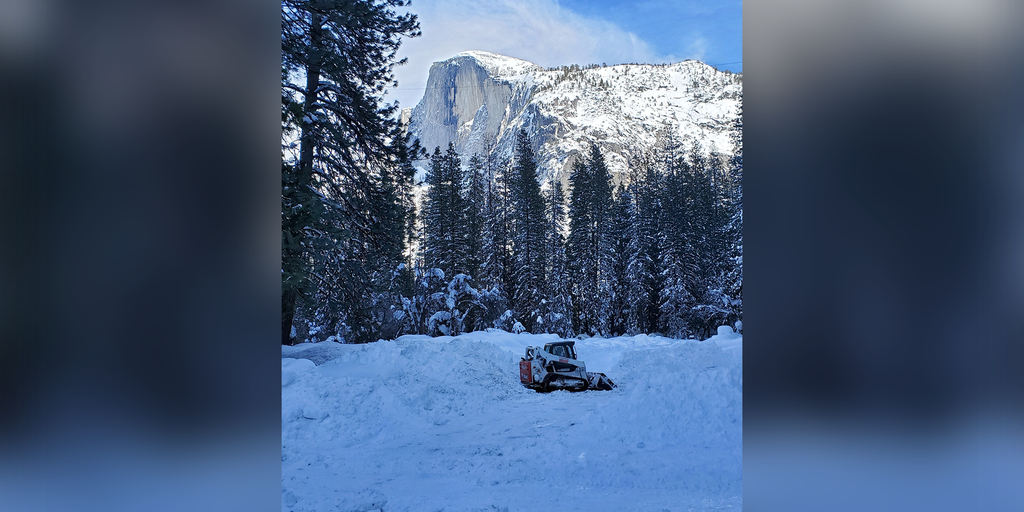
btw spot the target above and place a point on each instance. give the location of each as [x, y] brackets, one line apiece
[475, 205]
[444, 221]
[619, 236]
[677, 255]
[496, 279]
[337, 58]
[557, 307]
[588, 247]
[529, 230]
[496, 245]
[642, 270]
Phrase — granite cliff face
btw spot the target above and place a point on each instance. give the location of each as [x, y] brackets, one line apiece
[623, 109]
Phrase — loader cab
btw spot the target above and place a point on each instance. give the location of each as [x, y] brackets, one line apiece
[564, 349]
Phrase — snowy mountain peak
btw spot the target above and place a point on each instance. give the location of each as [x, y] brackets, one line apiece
[624, 109]
[498, 65]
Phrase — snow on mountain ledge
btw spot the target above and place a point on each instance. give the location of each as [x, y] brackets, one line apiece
[500, 65]
[624, 109]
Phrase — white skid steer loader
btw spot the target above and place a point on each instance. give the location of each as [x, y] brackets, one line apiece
[556, 367]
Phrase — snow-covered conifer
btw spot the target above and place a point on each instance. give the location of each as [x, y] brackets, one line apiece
[642, 252]
[444, 220]
[588, 247]
[556, 309]
[474, 216]
[528, 234]
[619, 236]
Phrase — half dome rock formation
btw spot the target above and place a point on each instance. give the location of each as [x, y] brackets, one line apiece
[624, 109]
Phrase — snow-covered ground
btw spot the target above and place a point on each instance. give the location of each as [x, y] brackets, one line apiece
[430, 424]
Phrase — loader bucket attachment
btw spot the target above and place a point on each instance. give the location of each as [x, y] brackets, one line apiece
[600, 381]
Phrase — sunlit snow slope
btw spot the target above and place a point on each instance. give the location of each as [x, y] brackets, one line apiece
[428, 424]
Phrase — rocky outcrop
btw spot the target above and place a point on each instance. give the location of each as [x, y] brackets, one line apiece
[466, 99]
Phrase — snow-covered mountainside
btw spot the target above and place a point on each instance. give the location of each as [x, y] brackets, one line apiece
[443, 423]
[622, 108]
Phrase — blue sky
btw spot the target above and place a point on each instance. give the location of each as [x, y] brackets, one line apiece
[677, 27]
[559, 32]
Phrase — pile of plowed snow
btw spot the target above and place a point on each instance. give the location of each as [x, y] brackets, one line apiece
[442, 423]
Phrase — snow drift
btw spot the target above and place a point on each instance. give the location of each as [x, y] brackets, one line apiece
[442, 423]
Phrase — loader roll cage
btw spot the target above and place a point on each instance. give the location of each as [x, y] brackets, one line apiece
[565, 349]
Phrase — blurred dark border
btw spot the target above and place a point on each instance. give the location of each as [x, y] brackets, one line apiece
[884, 236]
[884, 292]
[139, 266]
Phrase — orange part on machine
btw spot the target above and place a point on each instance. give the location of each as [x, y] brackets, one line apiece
[525, 372]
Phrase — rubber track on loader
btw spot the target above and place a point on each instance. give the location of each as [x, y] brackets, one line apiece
[551, 377]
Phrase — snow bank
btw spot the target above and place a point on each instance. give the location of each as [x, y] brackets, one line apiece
[442, 423]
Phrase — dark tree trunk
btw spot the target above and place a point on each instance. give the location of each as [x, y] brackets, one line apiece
[287, 315]
[305, 172]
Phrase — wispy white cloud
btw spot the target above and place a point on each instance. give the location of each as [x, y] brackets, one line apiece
[697, 48]
[539, 31]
